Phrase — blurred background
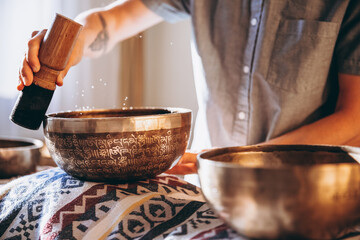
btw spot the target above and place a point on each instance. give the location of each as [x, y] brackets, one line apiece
[153, 68]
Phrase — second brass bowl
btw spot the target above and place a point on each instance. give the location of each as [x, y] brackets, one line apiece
[284, 191]
[117, 144]
[18, 156]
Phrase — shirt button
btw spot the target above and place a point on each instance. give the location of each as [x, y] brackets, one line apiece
[246, 69]
[242, 115]
[253, 21]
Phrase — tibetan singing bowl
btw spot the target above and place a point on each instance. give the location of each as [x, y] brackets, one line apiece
[18, 156]
[118, 144]
[284, 191]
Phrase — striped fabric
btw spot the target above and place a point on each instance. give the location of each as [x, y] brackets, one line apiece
[53, 205]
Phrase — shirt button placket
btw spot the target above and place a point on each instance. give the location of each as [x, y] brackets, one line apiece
[253, 23]
[241, 126]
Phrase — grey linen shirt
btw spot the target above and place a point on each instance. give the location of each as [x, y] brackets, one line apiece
[265, 67]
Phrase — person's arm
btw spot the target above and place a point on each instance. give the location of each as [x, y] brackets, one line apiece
[340, 128]
[103, 28]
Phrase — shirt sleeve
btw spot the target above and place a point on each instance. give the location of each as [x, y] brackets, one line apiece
[170, 10]
[348, 45]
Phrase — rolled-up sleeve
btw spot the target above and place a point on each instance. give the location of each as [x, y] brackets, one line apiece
[170, 10]
[347, 51]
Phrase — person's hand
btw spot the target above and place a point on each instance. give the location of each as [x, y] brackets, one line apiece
[31, 64]
[186, 165]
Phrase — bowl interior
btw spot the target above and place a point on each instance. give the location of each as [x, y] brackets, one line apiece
[19, 144]
[14, 144]
[281, 156]
[111, 113]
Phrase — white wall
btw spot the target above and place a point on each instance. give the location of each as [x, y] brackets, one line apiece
[169, 78]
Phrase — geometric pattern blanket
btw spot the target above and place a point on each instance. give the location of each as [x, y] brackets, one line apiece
[53, 205]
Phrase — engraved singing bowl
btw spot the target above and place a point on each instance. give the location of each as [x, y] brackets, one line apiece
[284, 191]
[18, 156]
[117, 144]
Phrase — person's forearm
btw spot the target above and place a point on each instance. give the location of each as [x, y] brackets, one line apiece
[336, 129]
[339, 128]
[105, 27]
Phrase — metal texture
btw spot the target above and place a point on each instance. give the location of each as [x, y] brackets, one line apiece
[284, 191]
[18, 156]
[117, 144]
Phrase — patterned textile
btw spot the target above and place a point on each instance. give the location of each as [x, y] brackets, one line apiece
[53, 205]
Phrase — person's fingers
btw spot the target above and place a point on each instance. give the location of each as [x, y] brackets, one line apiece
[188, 157]
[26, 73]
[186, 165]
[183, 169]
[20, 85]
[60, 78]
[33, 50]
[34, 33]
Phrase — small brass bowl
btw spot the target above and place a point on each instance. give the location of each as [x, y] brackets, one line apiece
[284, 191]
[117, 144]
[18, 156]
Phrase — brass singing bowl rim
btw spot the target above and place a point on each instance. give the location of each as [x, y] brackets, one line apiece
[214, 156]
[25, 143]
[126, 119]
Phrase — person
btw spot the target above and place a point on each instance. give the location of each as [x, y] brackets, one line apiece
[270, 72]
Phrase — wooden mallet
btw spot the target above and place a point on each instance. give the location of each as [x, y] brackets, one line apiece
[54, 54]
